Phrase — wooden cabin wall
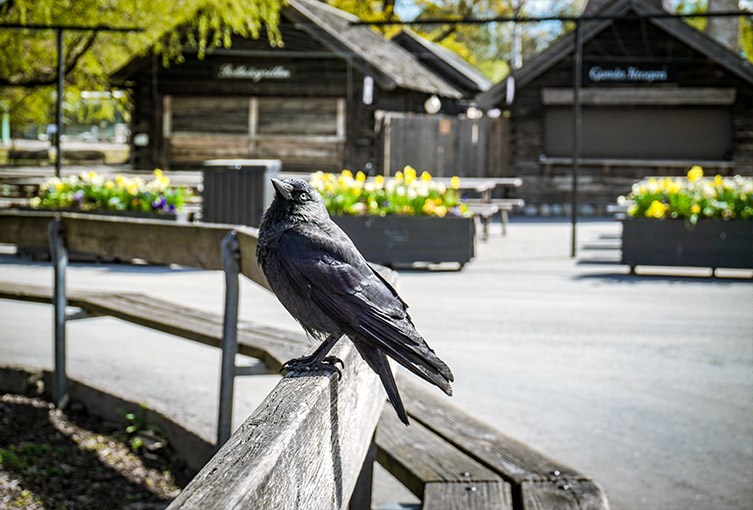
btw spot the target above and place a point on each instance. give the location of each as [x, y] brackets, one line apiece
[315, 72]
[626, 42]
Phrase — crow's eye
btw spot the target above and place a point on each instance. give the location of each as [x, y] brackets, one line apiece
[303, 196]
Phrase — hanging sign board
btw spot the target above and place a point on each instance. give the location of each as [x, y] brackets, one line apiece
[639, 73]
[253, 73]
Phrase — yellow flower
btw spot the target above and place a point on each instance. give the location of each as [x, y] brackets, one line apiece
[429, 207]
[695, 173]
[455, 182]
[158, 172]
[425, 176]
[361, 177]
[109, 184]
[695, 208]
[656, 210]
[409, 172]
[59, 185]
[718, 180]
[399, 177]
[347, 174]
[440, 211]
[379, 180]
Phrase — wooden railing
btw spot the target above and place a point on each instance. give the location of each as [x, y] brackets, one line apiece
[313, 441]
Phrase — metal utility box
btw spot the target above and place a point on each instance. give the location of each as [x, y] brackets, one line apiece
[238, 191]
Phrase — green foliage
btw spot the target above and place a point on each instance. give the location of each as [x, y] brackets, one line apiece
[33, 460]
[137, 424]
[28, 63]
[692, 198]
[92, 192]
[406, 194]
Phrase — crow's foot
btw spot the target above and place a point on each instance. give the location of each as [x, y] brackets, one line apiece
[311, 364]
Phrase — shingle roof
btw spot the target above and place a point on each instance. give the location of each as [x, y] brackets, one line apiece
[447, 64]
[394, 66]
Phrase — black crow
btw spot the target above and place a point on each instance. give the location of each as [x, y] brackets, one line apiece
[324, 282]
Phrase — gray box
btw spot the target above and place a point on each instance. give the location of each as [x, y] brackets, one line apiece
[238, 191]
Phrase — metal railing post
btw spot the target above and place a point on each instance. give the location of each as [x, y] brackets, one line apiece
[231, 267]
[59, 255]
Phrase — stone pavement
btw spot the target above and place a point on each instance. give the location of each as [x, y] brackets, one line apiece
[643, 382]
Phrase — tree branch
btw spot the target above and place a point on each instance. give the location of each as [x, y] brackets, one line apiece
[71, 61]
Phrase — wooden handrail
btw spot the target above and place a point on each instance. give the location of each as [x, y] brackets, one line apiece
[154, 241]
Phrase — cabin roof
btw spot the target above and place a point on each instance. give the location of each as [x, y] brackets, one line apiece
[565, 46]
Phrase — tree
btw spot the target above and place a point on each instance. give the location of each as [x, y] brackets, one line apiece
[28, 63]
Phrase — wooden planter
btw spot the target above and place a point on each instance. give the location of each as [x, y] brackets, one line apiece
[404, 240]
[711, 243]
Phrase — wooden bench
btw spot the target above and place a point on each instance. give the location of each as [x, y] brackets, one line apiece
[18, 156]
[485, 211]
[447, 458]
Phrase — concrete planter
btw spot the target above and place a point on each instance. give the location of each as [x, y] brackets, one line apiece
[711, 243]
[405, 240]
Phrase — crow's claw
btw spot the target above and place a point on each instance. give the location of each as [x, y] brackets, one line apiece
[307, 364]
[334, 360]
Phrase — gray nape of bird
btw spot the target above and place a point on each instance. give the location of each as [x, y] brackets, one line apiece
[324, 282]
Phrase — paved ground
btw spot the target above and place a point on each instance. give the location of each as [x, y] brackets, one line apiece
[643, 382]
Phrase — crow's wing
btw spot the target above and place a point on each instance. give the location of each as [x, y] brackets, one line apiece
[338, 280]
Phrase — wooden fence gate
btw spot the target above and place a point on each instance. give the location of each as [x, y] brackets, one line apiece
[445, 146]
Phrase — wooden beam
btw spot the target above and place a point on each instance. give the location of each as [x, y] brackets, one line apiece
[154, 241]
[302, 448]
[696, 96]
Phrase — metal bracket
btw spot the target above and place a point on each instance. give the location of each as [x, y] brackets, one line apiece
[228, 370]
[59, 256]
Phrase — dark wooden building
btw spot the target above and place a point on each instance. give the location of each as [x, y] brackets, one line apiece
[314, 102]
[658, 96]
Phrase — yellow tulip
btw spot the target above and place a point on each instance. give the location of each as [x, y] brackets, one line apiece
[455, 182]
[718, 180]
[695, 173]
[425, 176]
[656, 210]
[695, 208]
[379, 180]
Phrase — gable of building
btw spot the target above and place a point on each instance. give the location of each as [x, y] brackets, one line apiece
[675, 28]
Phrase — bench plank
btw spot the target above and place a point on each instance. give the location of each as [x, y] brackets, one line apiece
[456, 496]
[533, 475]
[420, 459]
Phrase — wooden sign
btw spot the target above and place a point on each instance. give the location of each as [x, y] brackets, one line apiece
[255, 74]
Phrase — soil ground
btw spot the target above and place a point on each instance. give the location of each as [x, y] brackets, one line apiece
[69, 460]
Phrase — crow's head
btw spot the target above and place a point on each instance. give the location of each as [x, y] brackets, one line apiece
[297, 197]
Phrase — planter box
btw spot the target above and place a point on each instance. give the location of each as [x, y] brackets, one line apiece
[403, 240]
[711, 243]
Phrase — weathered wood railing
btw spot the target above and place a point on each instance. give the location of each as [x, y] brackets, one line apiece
[306, 444]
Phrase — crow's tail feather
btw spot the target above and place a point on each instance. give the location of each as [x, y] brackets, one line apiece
[379, 364]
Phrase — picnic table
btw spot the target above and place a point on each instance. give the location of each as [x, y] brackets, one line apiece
[486, 206]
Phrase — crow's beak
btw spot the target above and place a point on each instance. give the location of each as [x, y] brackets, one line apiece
[282, 189]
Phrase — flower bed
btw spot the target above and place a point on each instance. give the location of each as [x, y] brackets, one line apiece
[90, 192]
[693, 221]
[401, 220]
